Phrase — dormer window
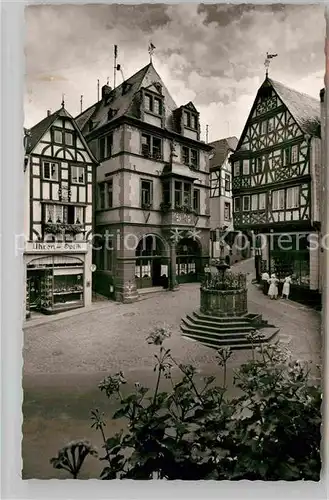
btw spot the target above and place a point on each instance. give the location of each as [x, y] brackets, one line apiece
[126, 87]
[190, 120]
[111, 113]
[153, 104]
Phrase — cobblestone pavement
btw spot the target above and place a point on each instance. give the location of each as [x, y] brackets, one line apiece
[112, 336]
[65, 358]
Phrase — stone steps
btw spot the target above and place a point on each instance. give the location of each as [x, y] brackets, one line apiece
[236, 341]
[218, 328]
[229, 331]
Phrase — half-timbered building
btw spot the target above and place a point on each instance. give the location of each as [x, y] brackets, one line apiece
[220, 202]
[152, 209]
[276, 170]
[59, 171]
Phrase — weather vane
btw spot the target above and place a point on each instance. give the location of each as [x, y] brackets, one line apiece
[63, 101]
[268, 61]
[151, 50]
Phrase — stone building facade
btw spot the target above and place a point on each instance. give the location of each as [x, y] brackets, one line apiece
[152, 192]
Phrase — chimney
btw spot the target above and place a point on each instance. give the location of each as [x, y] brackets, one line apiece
[106, 91]
[48, 112]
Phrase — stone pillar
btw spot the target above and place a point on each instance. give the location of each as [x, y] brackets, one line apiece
[172, 284]
[125, 290]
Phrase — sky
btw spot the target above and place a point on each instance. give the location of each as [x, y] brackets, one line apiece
[212, 55]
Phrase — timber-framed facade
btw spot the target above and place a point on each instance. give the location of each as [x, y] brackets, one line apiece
[59, 172]
[276, 183]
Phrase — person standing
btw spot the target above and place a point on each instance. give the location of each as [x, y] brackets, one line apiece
[273, 289]
[286, 287]
[265, 280]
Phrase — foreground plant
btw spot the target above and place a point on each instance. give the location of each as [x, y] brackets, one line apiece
[195, 431]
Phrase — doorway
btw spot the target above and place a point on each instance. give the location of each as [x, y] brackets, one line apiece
[150, 266]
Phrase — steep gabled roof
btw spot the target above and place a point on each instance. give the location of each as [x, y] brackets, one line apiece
[221, 149]
[123, 103]
[304, 108]
[119, 102]
[35, 134]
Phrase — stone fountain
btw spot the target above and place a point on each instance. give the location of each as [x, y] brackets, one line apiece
[223, 319]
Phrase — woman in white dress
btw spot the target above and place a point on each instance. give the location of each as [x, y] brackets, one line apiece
[286, 287]
[273, 289]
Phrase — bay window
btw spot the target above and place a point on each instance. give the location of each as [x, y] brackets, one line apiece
[237, 204]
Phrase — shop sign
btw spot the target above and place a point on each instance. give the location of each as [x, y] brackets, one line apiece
[56, 247]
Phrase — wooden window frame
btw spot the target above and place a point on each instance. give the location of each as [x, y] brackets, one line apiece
[227, 182]
[293, 189]
[43, 171]
[237, 168]
[294, 148]
[192, 120]
[107, 140]
[196, 200]
[189, 157]
[152, 97]
[254, 197]
[143, 204]
[83, 169]
[245, 197]
[227, 205]
[235, 200]
[149, 152]
[244, 162]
